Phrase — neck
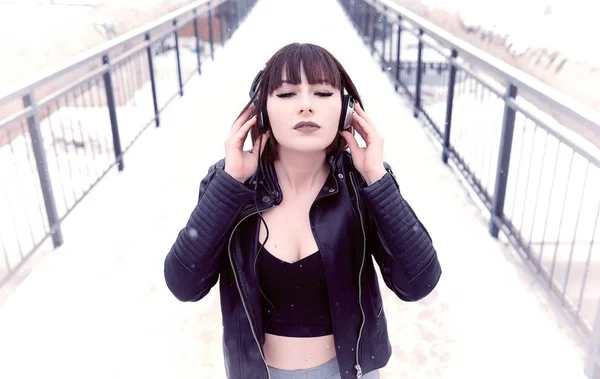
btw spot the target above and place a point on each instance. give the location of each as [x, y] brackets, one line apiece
[301, 173]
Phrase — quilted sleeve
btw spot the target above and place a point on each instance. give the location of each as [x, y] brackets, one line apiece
[398, 240]
[191, 267]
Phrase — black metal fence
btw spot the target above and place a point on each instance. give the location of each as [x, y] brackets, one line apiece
[511, 138]
[62, 133]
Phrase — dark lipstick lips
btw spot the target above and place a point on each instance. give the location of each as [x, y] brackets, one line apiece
[306, 123]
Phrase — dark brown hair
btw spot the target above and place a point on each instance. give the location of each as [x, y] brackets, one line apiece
[320, 66]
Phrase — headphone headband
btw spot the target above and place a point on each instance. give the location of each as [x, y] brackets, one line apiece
[254, 85]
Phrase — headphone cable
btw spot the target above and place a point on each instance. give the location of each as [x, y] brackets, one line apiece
[258, 177]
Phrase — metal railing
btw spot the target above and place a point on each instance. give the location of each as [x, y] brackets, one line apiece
[592, 364]
[63, 132]
[511, 137]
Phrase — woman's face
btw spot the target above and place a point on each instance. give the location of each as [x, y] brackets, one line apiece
[304, 117]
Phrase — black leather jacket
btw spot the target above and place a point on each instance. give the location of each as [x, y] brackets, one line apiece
[351, 223]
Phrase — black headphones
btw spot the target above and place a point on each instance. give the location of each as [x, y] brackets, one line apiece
[345, 116]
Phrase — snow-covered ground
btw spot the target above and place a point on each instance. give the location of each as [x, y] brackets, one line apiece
[98, 305]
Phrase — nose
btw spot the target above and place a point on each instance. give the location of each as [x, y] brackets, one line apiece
[306, 110]
[305, 106]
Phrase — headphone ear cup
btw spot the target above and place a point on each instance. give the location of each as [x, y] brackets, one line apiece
[262, 126]
[347, 110]
[343, 114]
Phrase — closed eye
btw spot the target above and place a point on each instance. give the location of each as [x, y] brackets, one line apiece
[290, 94]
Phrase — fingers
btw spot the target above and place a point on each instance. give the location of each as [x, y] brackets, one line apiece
[365, 127]
[364, 115]
[238, 136]
[242, 119]
[361, 126]
[242, 132]
[351, 141]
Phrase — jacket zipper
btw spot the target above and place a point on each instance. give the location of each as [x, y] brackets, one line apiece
[242, 296]
[357, 367]
[256, 275]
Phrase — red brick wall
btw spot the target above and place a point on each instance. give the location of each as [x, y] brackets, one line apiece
[188, 30]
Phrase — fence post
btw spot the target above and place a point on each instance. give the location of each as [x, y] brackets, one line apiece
[226, 16]
[365, 15]
[384, 37]
[179, 76]
[391, 49]
[248, 4]
[152, 79]
[236, 18]
[373, 28]
[417, 108]
[37, 145]
[197, 36]
[112, 111]
[220, 16]
[508, 126]
[210, 32]
[360, 22]
[449, 107]
[592, 360]
[398, 55]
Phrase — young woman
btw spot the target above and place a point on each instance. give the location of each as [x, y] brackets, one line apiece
[290, 227]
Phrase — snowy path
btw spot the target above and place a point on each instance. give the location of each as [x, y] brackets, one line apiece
[98, 306]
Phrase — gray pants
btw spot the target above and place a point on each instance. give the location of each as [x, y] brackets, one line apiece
[328, 370]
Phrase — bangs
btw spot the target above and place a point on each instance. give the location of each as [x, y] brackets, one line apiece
[318, 65]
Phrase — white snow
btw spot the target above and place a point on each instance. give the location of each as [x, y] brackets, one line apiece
[98, 306]
[557, 25]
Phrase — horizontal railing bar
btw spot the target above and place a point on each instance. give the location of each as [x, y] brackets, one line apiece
[545, 124]
[16, 117]
[129, 53]
[558, 101]
[89, 76]
[105, 48]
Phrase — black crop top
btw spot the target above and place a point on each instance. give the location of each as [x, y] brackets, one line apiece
[298, 294]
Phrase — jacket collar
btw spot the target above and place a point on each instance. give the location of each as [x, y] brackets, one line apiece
[268, 191]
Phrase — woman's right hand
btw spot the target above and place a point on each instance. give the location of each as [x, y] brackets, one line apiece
[241, 164]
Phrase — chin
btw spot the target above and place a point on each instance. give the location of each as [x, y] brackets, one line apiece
[308, 146]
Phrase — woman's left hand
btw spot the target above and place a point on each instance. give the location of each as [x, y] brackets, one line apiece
[367, 160]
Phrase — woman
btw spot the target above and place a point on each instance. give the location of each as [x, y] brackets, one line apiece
[292, 238]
